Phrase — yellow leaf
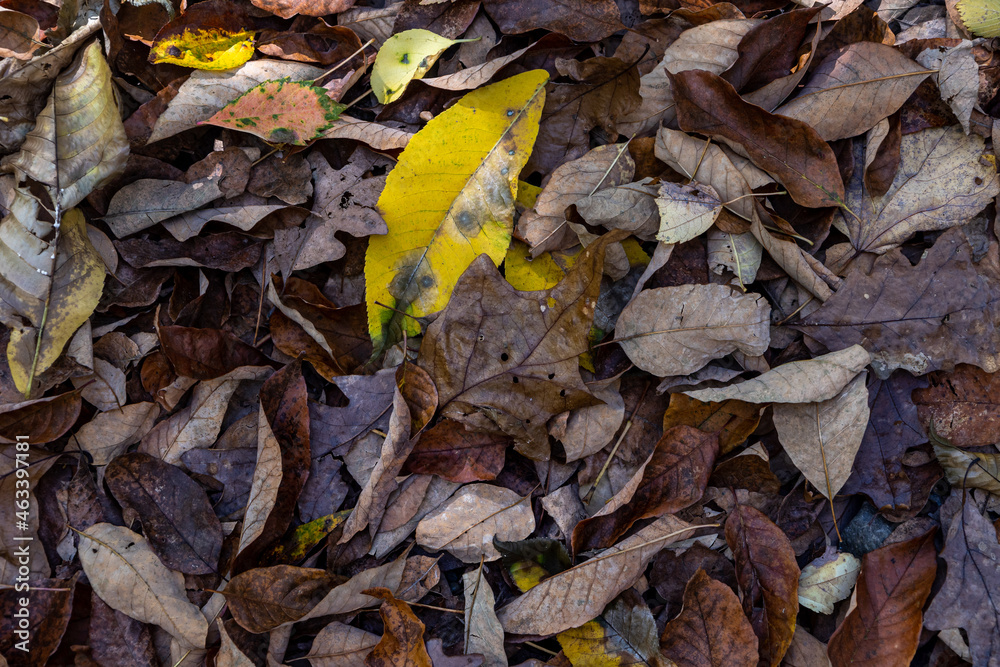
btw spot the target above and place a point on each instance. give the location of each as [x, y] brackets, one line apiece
[449, 199]
[529, 274]
[527, 194]
[54, 303]
[211, 49]
[406, 56]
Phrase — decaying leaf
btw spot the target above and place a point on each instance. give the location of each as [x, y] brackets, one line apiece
[206, 49]
[435, 234]
[828, 580]
[967, 469]
[264, 598]
[624, 634]
[403, 640]
[960, 406]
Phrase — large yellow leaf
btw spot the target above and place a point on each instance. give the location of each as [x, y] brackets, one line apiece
[449, 199]
[79, 129]
[35, 298]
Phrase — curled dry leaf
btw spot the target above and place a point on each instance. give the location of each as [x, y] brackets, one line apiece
[884, 627]
[128, 576]
[483, 632]
[828, 580]
[577, 595]
[967, 469]
[677, 330]
[711, 630]
[467, 523]
[379, 137]
[403, 640]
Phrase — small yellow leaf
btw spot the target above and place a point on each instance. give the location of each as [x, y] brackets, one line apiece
[449, 199]
[406, 56]
[211, 49]
[542, 272]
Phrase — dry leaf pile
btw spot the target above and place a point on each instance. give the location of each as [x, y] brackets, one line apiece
[445, 333]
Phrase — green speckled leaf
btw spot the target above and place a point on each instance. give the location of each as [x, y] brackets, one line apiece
[280, 112]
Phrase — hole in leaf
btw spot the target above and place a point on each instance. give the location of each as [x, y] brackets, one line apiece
[504, 357]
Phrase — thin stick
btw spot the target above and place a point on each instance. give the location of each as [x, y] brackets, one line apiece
[826, 473]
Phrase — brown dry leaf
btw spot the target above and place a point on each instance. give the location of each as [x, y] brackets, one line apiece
[686, 211]
[800, 266]
[943, 302]
[943, 180]
[967, 469]
[476, 365]
[711, 630]
[631, 207]
[41, 420]
[339, 645]
[677, 330]
[971, 588]
[466, 524]
[957, 77]
[854, 88]
[379, 137]
[884, 627]
[350, 596]
[545, 227]
[579, 594]
[768, 578]
[109, 433]
[453, 452]
[672, 478]
[402, 644]
[483, 632]
[962, 406]
[266, 597]
[289, 8]
[230, 654]
[20, 35]
[788, 149]
[580, 20]
[807, 381]
[126, 574]
[733, 420]
[588, 430]
[624, 634]
[823, 438]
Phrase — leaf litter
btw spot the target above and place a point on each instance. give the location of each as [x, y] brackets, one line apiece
[496, 333]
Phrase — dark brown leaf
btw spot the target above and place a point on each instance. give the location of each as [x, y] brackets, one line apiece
[205, 354]
[769, 50]
[580, 20]
[228, 251]
[117, 639]
[40, 420]
[402, 644]
[370, 402]
[963, 406]
[37, 636]
[453, 452]
[266, 597]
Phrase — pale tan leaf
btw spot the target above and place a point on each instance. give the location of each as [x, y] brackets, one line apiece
[348, 596]
[80, 129]
[379, 137]
[587, 430]
[126, 574]
[957, 78]
[473, 77]
[483, 632]
[806, 651]
[206, 92]
[545, 227]
[340, 645]
[230, 654]
[686, 211]
[104, 388]
[798, 264]
[145, 202]
[854, 88]
[242, 212]
[579, 594]
[198, 424]
[828, 580]
[370, 22]
[109, 433]
[677, 330]
[740, 254]
[822, 438]
[631, 207]
[806, 381]
[466, 523]
[942, 181]
[265, 483]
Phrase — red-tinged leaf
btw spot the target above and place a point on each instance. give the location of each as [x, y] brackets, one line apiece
[205, 354]
[402, 644]
[769, 580]
[40, 420]
[281, 112]
[787, 148]
[263, 598]
[883, 629]
[673, 478]
[453, 452]
[711, 630]
[963, 405]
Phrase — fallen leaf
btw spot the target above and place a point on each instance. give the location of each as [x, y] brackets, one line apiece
[632, 207]
[466, 524]
[970, 589]
[768, 578]
[109, 433]
[128, 576]
[339, 645]
[118, 637]
[822, 438]
[230, 654]
[457, 454]
[351, 596]
[41, 420]
[207, 48]
[438, 234]
[370, 399]
[624, 634]
[711, 630]
[967, 469]
[884, 627]
[963, 184]
[289, 8]
[20, 32]
[577, 19]
[788, 149]
[957, 78]
[733, 420]
[944, 302]
[854, 88]
[959, 406]
[175, 512]
[807, 381]
[143, 203]
[405, 56]
[483, 633]
[573, 597]
[379, 137]
[828, 580]
[657, 336]
[589, 429]
[402, 644]
[266, 597]
[673, 478]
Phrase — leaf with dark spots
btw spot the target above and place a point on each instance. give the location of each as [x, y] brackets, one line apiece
[228, 251]
[672, 478]
[175, 513]
[40, 420]
[788, 149]
[266, 597]
[453, 452]
[884, 627]
[402, 644]
[947, 302]
[206, 354]
[580, 20]
[485, 372]
[769, 580]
